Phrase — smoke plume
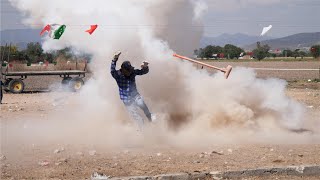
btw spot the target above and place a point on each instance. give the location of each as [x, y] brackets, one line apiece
[192, 105]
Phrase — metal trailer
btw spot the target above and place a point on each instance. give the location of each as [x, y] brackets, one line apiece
[13, 81]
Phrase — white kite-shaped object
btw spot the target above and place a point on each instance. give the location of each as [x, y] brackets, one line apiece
[265, 30]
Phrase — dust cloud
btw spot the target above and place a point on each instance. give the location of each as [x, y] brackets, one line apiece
[194, 108]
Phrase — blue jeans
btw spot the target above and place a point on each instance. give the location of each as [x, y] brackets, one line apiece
[133, 107]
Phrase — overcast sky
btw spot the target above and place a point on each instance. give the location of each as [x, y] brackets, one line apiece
[232, 16]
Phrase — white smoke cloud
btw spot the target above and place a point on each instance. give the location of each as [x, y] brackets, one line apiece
[200, 7]
[191, 101]
[229, 5]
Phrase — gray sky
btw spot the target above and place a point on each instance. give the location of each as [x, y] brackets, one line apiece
[232, 16]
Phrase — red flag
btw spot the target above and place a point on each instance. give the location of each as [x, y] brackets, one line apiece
[92, 29]
[46, 28]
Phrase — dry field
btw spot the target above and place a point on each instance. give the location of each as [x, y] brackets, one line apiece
[287, 75]
[51, 160]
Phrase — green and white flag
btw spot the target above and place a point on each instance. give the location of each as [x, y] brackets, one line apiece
[56, 30]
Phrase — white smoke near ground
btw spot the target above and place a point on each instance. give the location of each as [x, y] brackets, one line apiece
[194, 107]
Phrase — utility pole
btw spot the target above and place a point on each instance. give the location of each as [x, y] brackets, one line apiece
[9, 52]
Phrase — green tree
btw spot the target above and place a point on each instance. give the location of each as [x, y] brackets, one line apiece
[208, 51]
[47, 57]
[232, 51]
[315, 51]
[65, 52]
[261, 52]
[287, 53]
[295, 53]
[201, 53]
[8, 52]
[18, 56]
[34, 52]
[196, 52]
[302, 54]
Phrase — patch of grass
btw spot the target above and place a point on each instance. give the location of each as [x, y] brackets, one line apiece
[290, 59]
[316, 80]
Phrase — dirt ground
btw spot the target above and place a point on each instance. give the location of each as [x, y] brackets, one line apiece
[77, 163]
[20, 160]
[288, 75]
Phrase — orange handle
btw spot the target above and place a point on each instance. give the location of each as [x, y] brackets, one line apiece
[197, 62]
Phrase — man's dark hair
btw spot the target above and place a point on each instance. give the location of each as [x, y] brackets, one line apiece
[126, 68]
[126, 65]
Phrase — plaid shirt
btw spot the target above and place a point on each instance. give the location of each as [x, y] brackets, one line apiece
[127, 85]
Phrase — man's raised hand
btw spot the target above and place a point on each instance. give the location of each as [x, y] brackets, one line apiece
[144, 64]
[116, 56]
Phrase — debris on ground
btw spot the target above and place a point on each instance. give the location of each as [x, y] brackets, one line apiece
[3, 157]
[92, 153]
[57, 151]
[215, 152]
[278, 161]
[99, 176]
[114, 165]
[60, 161]
[44, 163]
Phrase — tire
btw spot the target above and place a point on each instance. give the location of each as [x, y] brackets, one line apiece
[16, 86]
[76, 84]
[66, 80]
[6, 84]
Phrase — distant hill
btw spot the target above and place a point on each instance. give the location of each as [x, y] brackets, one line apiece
[238, 39]
[20, 37]
[301, 40]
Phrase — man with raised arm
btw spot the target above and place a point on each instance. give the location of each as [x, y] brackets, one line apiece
[125, 78]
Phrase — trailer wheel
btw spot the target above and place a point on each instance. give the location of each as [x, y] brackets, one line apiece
[6, 84]
[66, 80]
[76, 83]
[16, 86]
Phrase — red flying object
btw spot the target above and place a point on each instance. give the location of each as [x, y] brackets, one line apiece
[47, 28]
[92, 29]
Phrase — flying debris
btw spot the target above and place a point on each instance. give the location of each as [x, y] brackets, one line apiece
[226, 70]
[92, 29]
[55, 30]
[265, 30]
[46, 28]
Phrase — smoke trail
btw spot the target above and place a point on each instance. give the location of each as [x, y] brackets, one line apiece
[191, 101]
